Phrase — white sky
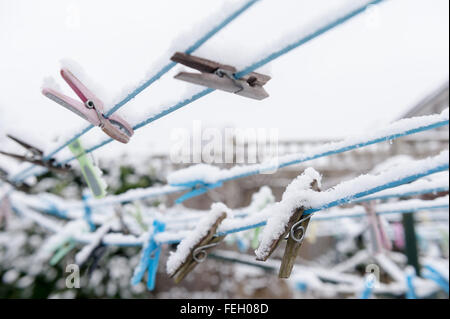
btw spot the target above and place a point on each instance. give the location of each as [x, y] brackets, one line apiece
[358, 76]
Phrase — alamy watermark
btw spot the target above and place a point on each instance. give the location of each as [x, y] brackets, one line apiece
[223, 146]
[73, 279]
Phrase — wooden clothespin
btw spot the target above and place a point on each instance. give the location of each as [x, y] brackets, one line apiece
[36, 157]
[222, 77]
[295, 230]
[178, 269]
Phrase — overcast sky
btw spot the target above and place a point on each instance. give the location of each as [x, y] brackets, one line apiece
[356, 77]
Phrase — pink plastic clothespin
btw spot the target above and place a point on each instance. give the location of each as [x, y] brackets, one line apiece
[91, 109]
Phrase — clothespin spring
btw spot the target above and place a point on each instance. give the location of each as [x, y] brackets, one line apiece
[199, 254]
[221, 73]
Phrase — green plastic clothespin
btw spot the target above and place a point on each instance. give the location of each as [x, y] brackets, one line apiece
[63, 250]
[89, 171]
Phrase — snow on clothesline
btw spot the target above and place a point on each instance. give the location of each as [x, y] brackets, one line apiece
[207, 174]
[214, 24]
[178, 217]
[165, 237]
[434, 184]
[332, 20]
[192, 237]
[348, 191]
[411, 205]
[342, 193]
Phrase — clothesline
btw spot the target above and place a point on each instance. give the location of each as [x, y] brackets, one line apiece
[152, 79]
[307, 35]
[343, 193]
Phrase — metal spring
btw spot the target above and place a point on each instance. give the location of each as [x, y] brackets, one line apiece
[199, 254]
[297, 227]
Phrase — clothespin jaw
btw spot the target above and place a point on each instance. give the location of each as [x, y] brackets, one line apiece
[198, 252]
[90, 108]
[36, 157]
[295, 230]
[221, 77]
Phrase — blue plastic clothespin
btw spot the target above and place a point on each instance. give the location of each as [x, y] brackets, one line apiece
[149, 258]
[368, 289]
[410, 292]
[54, 210]
[88, 211]
[197, 188]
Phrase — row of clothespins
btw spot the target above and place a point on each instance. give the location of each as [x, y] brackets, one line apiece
[294, 229]
[195, 187]
[213, 75]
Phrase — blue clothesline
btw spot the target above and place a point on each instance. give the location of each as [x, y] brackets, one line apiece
[245, 71]
[349, 199]
[205, 187]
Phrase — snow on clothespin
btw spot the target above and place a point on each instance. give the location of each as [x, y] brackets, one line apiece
[91, 173]
[149, 257]
[410, 273]
[90, 108]
[192, 249]
[287, 218]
